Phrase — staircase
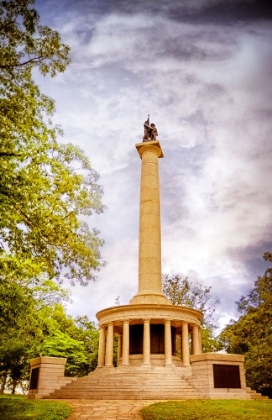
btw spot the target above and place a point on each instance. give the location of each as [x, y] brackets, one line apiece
[157, 383]
[254, 395]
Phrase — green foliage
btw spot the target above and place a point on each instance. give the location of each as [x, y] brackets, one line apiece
[19, 408]
[252, 333]
[208, 410]
[75, 339]
[182, 292]
[62, 345]
[47, 331]
[45, 187]
[46, 191]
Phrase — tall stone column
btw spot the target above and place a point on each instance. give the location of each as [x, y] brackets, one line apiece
[200, 341]
[119, 350]
[149, 281]
[146, 344]
[196, 348]
[185, 344]
[101, 347]
[125, 352]
[109, 346]
[167, 342]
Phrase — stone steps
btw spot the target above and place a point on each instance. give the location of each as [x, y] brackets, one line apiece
[254, 395]
[134, 384]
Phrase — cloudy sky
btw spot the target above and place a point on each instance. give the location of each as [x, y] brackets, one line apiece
[203, 70]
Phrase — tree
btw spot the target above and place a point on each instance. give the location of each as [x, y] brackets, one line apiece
[46, 191]
[251, 334]
[23, 325]
[182, 292]
[45, 187]
[79, 339]
[48, 331]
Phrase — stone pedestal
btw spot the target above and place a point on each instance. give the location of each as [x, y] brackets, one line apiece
[232, 381]
[46, 375]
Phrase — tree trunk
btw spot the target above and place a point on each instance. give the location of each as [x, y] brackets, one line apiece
[14, 384]
[3, 382]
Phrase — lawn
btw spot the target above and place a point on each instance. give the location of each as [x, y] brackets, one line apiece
[209, 410]
[18, 408]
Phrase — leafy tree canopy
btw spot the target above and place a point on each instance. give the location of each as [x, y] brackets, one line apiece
[182, 292]
[48, 331]
[45, 187]
[252, 333]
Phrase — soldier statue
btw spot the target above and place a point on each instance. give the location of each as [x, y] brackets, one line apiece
[150, 131]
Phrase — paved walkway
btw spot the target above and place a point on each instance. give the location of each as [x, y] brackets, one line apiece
[107, 409]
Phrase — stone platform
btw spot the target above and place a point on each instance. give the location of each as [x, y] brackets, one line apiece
[196, 381]
[156, 383]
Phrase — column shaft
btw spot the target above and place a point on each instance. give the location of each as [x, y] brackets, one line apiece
[146, 344]
[125, 353]
[196, 339]
[150, 224]
[185, 345]
[200, 341]
[101, 347]
[109, 346]
[167, 342]
[119, 352]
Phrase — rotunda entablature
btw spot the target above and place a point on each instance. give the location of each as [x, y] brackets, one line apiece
[156, 313]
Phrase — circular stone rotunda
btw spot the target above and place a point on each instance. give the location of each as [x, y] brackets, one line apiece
[159, 344]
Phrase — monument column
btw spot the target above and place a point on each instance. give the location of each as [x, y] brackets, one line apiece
[167, 342]
[109, 346]
[101, 347]
[146, 343]
[196, 348]
[119, 350]
[125, 352]
[200, 340]
[185, 345]
[149, 281]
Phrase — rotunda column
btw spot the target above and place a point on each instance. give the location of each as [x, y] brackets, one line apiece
[146, 344]
[167, 342]
[101, 347]
[200, 341]
[125, 352]
[196, 349]
[185, 344]
[109, 346]
[119, 351]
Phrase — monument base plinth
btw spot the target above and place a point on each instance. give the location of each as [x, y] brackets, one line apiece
[150, 298]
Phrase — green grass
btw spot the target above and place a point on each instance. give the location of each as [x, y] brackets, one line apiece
[209, 410]
[18, 408]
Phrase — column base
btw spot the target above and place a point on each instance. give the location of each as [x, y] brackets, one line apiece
[150, 298]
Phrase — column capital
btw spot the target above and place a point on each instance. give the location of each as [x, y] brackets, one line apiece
[151, 146]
